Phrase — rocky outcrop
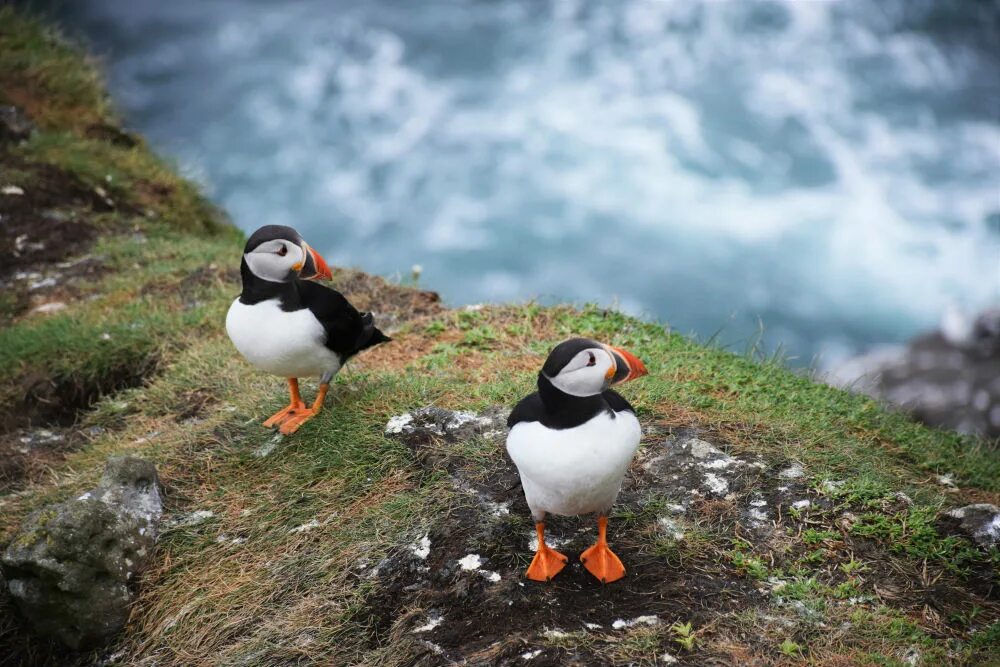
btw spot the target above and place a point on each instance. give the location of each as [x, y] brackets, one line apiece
[981, 522]
[949, 378]
[72, 567]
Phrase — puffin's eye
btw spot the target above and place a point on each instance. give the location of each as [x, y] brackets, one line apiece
[593, 360]
[282, 251]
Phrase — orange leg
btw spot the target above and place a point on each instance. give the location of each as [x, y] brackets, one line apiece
[547, 562]
[599, 559]
[304, 414]
[294, 406]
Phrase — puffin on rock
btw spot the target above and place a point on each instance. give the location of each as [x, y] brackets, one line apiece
[572, 442]
[286, 325]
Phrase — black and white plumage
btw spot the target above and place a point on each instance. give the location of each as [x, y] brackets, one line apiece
[572, 441]
[286, 325]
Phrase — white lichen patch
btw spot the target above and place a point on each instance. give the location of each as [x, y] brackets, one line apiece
[192, 519]
[490, 576]
[555, 634]
[667, 659]
[946, 480]
[421, 548]
[621, 624]
[497, 509]
[716, 484]
[553, 541]
[268, 447]
[593, 626]
[470, 562]
[831, 486]
[718, 464]
[12, 190]
[305, 527]
[398, 423]
[794, 471]
[531, 655]
[676, 508]
[433, 621]
[702, 450]
[801, 504]
[670, 528]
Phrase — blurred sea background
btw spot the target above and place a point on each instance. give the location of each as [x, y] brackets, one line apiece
[826, 172]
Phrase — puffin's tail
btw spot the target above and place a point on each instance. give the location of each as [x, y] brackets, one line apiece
[370, 334]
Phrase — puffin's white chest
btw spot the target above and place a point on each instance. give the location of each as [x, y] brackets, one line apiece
[289, 344]
[576, 470]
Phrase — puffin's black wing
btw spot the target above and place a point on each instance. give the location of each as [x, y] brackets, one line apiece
[347, 330]
[529, 409]
[617, 401]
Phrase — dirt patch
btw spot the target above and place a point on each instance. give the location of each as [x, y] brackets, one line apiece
[391, 304]
[56, 401]
[44, 231]
[26, 454]
[707, 534]
[457, 592]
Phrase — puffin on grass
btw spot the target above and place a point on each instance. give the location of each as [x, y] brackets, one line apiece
[572, 442]
[286, 325]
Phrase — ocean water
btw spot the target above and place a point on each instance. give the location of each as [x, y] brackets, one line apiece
[828, 172]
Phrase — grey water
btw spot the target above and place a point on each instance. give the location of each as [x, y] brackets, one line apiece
[829, 171]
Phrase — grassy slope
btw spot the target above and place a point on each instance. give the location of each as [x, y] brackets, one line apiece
[215, 600]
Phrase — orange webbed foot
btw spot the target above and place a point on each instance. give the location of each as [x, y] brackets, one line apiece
[297, 413]
[281, 416]
[600, 560]
[547, 562]
[292, 423]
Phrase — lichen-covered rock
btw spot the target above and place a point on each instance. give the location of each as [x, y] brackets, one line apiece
[70, 568]
[981, 521]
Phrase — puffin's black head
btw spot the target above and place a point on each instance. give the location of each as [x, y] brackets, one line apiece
[278, 254]
[584, 367]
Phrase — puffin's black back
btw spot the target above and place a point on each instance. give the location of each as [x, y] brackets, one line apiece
[347, 330]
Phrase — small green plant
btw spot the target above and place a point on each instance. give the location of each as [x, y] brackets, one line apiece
[684, 635]
[483, 336]
[853, 566]
[751, 565]
[434, 328]
[790, 648]
[812, 536]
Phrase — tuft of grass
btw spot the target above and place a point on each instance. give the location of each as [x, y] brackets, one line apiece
[47, 77]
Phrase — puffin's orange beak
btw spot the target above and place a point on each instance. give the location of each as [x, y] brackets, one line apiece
[627, 366]
[315, 266]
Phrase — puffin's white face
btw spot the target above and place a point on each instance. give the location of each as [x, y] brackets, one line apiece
[277, 261]
[589, 372]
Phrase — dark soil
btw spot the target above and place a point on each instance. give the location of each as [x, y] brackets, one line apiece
[427, 607]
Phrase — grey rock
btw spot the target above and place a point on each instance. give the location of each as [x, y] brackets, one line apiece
[948, 378]
[71, 568]
[14, 124]
[981, 522]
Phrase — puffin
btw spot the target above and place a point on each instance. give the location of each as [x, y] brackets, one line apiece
[572, 442]
[287, 325]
